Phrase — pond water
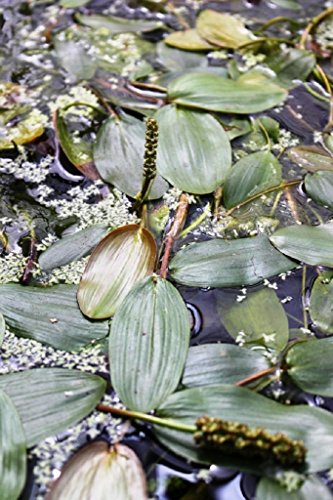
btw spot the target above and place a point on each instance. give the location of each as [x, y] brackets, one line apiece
[50, 189]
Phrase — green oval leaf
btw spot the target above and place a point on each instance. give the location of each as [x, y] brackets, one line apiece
[179, 60]
[118, 24]
[309, 364]
[309, 244]
[194, 152]
[291, 66]
[118, 155]
[188, 40]
[321, 302]
[313, 487]
[319, 187]
[258, 320]
[100, 471]
[12, 450]
[223, 30]
[312, 425]
[148, 344]
[228, 263]
[248, 94]
[120, 260]
[220, 364]
[48, 400]
[311, 158]
[251, 175]
[71, 247]
[49, 315]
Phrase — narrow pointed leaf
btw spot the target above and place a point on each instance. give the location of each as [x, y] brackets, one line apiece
[313, 487]
[311, 158]
[321, 302]
[71, 247]
[309, 244]
[2, 328]
[188, 40]
[228, 263]
[223, 30]
[309, 364]
[118, 155]
[48, 400]
[319, 187]
[312, 425]
[251, 175]
[120, 260]
[49, 315]
[148, 344]
[194, 152]
[117, 24]
[215, 93]
[99, 471]
[258, 320]
[211, 364]
[12, 450]
[287, 4]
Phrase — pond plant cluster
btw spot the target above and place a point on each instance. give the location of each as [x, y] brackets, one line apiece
[152, 151]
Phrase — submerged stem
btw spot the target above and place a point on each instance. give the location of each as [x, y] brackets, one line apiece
[313, 24]
[256, 376]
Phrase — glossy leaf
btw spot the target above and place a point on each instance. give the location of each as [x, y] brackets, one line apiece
[313, 426]
[49, 315]
[251, 175]
[291, 66]
[100, 471]
[117, 24]
[118, 155]
[120, 260]
[223, 30]
[319, 187]
[309, 364]
[188, 40]
[2, 328]
[194, 152]
[313, 487]
[228, 263]
[311, 158]
[49, 400]
[78, 153]
[71, 247]
[179, 60]
[12, 451]
[248, 94]
[258, 320]
[148, 344]
[321, 302]
[309, 244]
[287, 4]
[211, 364]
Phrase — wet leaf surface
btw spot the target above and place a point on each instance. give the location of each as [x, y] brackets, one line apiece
[268, 489]
[321, 302]
[2, 328]
[319, 187]
[222, 30]
[311, 158]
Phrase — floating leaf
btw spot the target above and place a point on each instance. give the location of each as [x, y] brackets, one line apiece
[311, 158]
[74, 58]
[287, 4]
[188, 40]
[309, 244]
[148, 344]
[118, 24]
[313, 487]
[48, 400]
[311, 425]
[319, 187]
[49, 315]
[223, 30]
[321, 302]
[12, 451]
[210, 364]
[120, 260]
[258, 320]
[251, 175]
[118, 155]
[2, 328]
[309, 364]
[194, 152]
[291, 66]
[100, 471]
[70, 4]
[179, 60]
[248, 94]
[71, 247]
[225, 263]
[78, 153]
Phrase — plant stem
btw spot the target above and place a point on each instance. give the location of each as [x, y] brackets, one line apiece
[196, 222]
[313, 24]
[256, 376]
[162, 422]
[275, 20]
[283, 185]
[175, 229]
[292, 205]
[315, 94]
[305, 316]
